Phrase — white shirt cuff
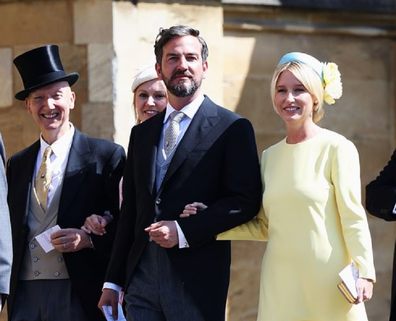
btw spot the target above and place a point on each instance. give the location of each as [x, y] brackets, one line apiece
[112, 286]
[394, 209]
[182, 239]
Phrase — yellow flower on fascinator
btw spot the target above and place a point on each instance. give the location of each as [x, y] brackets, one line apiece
[331, 83]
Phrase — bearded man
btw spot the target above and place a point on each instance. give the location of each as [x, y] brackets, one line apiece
[172, 268]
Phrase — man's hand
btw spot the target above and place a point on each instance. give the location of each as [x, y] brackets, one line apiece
[70, 240]
[192, 209]
[96, 224]
[109, 298]
[364, 289]
[164, 233]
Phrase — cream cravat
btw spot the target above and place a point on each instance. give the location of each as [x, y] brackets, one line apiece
[172, 132]
[43, 179]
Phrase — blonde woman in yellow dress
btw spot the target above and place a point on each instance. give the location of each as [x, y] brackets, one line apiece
[312, 215]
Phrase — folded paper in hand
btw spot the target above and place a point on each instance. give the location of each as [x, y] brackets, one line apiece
[44, 239]
[347, 286]
[108, 312]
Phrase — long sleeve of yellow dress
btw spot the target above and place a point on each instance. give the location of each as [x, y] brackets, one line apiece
[353, 219]
[254, 230]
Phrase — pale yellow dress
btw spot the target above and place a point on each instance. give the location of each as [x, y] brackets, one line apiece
[315, 225]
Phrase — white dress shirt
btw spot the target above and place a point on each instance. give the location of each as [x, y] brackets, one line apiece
[58, 159]
[189, 110]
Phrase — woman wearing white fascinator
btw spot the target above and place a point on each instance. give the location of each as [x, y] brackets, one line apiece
[149, 94]
[312, 216]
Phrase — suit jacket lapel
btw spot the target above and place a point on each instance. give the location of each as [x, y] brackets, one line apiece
[31, 158]
[26, 175]
[75, 171]
[151, 149]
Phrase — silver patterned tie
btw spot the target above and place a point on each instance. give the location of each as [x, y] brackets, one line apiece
[172, 132]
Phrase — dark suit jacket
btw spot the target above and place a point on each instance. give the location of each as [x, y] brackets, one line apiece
[216, 163]
[381, 192]
[91, 180]
[380, 201]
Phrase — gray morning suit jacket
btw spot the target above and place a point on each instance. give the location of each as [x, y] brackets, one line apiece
[216, 163]
[5, 235]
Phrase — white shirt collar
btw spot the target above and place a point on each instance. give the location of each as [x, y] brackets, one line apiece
[59, 146]
[189, 110]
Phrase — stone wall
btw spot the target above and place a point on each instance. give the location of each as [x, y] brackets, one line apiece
[384, 6]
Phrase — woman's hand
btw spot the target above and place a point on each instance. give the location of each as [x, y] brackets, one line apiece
[192, 209]
[364, 289]
[96, 224]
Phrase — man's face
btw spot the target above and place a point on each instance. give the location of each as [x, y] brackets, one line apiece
[182, 69]
[50, 108]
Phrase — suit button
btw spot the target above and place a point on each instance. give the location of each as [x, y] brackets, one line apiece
[59, 259]
[56, 273]
[35, 259]
[32, 246]
[36, 273]
[158, 201]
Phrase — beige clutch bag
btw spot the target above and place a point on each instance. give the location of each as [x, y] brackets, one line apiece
[347, 286]
[346, 292]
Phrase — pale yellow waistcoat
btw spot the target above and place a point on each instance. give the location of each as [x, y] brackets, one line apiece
[36, 264]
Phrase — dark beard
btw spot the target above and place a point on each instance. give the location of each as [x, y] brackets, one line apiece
[182, 89]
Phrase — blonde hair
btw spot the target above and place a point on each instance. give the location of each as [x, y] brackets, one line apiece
[310, 80]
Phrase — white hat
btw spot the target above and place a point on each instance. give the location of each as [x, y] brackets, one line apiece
[145, 74]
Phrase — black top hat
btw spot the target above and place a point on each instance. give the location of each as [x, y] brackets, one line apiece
[40, 67]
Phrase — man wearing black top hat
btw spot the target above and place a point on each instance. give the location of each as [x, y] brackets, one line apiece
[55, 184]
